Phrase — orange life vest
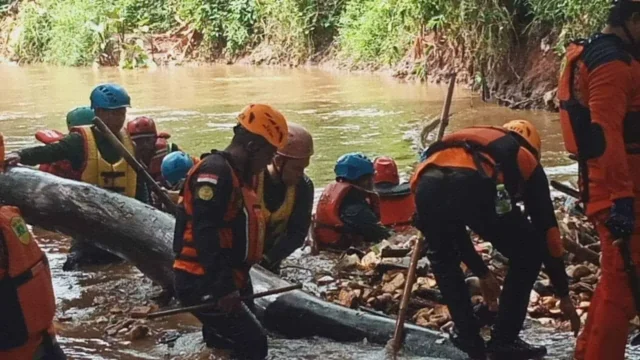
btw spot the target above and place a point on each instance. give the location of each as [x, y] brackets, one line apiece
[586, 137]
[243, 199]
[328, 228]
[59, 168]
[27, 300]
[163, 148]
[397, 210]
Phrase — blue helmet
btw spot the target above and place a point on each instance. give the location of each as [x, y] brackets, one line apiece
[175, 167]
[109, 96]
[353, 166]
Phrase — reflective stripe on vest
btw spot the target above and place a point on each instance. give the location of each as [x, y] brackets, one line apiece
[276, 221]
[28, 303]
[243, 198]
[118, 177]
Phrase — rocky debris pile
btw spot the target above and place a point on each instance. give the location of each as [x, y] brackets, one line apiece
[372, 279]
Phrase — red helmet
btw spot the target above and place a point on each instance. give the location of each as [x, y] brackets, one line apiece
[142, 126]
[386, 171]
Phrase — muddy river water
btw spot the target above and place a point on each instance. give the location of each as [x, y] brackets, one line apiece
[345, 112]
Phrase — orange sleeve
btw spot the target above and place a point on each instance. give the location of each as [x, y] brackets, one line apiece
[609, 91]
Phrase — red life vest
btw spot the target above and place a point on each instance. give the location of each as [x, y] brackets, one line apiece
[60, 168]
[397, 210]
[163, 148]
[27, 300]
[328, 228]
[243, 199]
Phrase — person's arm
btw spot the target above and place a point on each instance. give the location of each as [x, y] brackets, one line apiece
[71, 148]
[211, 187]
[359, 218]
[537, 199]
[297, 226]
[470, 256]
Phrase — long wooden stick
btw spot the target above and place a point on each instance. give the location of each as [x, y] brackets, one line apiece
[208, 306]
[131, 160]
[444, 117]
[406, 296]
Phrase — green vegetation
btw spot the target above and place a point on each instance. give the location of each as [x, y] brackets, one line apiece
[364, 32]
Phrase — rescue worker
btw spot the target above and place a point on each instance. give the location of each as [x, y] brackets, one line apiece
[26, 292]
[91, 154]
[220, 230]
[397, 205]
[348, 211]
[175, 168]
[150, 146]
[80, 116]
[599, 93]
[458, 186]
[286, 196]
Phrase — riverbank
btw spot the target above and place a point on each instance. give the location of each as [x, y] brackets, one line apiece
[511, 49]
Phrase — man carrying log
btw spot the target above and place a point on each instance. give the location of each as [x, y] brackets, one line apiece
[286, 196]
[91, 154]
[599, 95]
[220, 232]
[474, 178]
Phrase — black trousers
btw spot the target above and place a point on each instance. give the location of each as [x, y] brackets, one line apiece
[241, 331]
[449, 200]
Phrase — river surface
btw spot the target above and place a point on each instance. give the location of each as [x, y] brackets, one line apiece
[197, 106]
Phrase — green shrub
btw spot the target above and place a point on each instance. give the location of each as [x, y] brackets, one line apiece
[35, 35]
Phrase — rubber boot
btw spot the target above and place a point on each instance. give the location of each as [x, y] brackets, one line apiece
[516, 349]
[474, 346]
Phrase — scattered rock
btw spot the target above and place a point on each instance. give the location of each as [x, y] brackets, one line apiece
[584, 305]
[369, 261]
[64, 318]
[99, 300]
[396, 283]
[325, 280]
[138, 332]
[116, 310]
[543, 288]
[348, 262]
[347, 298]
[123, 331]
[140, 312]
[102, 320]
[579, 272]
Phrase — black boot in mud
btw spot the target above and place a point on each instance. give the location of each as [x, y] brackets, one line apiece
[517, 349]
[474, 346]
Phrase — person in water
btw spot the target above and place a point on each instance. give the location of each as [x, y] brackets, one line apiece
[286, 196]
[91, 154]
[26, 292]
[220, 232]
[599, 93]
[397, 205]
[474, 178]
[348, 212]
[175, 168]
[80, 116]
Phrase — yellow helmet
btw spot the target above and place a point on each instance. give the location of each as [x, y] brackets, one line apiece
[265, 121]
[527, 131]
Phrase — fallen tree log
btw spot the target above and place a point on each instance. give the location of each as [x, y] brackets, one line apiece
[142, 235]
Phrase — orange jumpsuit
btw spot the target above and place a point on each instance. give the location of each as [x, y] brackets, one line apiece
[599, 93]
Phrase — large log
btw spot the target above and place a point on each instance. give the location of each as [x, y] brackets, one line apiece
[142, 235]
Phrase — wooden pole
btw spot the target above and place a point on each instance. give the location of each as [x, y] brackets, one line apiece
[406, 296]
[444, 117]
[212, 305]
[131, 160]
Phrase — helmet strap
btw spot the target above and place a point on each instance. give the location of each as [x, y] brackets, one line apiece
[278, 170]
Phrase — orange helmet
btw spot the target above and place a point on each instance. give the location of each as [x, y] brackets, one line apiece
[300, 143]
[527, 131]
[386, 171]
[142, 126]
[265, 121]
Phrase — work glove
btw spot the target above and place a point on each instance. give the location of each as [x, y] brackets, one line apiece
[621, 218]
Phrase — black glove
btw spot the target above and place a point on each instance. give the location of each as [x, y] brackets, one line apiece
[621, 219]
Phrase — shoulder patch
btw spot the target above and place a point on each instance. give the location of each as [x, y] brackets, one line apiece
[20, 229]
[206, 193]
[603, 50]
